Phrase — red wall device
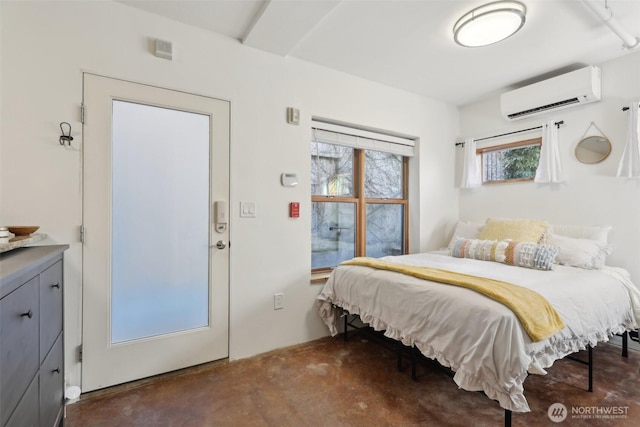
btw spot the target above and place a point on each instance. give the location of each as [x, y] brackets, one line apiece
[294, 210]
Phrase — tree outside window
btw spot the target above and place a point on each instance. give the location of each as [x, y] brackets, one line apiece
[359, 204]
[515, 161]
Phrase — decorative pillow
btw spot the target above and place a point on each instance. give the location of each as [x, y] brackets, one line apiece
[520, 230]
[530, 255]
[465, 230]
[583, 253]
[521, 254]
[484, 250]
[597, 233]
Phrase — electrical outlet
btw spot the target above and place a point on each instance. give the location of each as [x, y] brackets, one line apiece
[278, 301]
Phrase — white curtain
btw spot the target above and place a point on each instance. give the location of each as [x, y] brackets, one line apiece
[549, 167]
[470, 172]
[630, 162]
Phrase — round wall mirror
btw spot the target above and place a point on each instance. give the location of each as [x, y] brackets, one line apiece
[593, 149]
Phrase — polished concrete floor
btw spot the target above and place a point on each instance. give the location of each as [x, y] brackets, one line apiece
[330, 382]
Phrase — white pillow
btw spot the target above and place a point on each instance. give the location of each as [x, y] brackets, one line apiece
[465, 230]
[583, 253]
[597, 233]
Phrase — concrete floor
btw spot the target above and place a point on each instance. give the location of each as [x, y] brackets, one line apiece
[329, 382]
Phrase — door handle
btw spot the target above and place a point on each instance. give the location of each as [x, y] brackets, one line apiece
[221, 244]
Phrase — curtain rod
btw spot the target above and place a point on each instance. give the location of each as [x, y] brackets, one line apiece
[558, 124]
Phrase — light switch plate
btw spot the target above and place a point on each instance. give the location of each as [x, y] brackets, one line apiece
[247, 209]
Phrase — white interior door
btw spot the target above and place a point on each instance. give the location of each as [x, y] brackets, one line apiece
[155, 253]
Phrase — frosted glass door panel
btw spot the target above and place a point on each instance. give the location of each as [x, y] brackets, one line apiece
[160, 221]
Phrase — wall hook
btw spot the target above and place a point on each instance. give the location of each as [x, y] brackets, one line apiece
[64, 138]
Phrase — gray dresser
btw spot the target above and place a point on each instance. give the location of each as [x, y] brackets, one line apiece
[31, 337]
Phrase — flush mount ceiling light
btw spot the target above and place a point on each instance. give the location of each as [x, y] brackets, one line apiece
[489, 23]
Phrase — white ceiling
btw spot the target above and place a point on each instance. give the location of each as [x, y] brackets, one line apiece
[408, 44]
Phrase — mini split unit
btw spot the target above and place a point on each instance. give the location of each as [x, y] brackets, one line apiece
[567, 90]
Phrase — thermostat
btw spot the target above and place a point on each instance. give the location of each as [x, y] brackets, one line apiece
[289, 179]
[293, 116]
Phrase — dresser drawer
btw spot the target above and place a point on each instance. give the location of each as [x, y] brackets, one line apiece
[26, 413]
[50, 307]
[52, 385]
[19, 360]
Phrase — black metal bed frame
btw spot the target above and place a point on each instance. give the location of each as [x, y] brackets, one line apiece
[507, 413]
[633, 335]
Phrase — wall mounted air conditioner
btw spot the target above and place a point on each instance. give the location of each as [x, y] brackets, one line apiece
[567, 90]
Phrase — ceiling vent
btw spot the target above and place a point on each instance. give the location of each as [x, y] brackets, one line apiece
[575, 88]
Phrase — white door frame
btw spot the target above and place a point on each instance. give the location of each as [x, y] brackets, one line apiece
[105, 364]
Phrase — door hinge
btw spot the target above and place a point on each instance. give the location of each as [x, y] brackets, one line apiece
[80, 353]
[83, 113]
[82, 233]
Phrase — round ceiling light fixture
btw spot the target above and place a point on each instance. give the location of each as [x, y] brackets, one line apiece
[489, 23]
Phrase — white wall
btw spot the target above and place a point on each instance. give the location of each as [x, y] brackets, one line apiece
[47, 45]
[591, 195]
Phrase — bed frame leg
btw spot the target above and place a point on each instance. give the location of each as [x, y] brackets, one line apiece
[625, 344]
[346, 322]
[590, 369]
[413, 363]
[507, 418]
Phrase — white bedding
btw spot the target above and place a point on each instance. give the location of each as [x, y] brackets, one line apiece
[478, 338]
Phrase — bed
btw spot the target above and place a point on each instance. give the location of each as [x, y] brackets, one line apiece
[480, 339]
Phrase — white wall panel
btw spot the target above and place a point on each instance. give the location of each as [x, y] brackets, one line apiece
[591, 195]
[47, 45]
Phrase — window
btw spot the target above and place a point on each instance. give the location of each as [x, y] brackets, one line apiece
[358, 198]
[516, 161]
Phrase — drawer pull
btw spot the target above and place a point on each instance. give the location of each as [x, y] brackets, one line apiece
[56, 371]
[57, 285]
[28, 314]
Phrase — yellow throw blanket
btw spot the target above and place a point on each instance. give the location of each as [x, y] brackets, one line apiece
[539, 319]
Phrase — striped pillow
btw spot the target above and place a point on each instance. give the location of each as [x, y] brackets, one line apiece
[485, 250]
[521, 254]
[531, 255]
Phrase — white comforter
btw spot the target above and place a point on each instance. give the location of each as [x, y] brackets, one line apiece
[478, 338]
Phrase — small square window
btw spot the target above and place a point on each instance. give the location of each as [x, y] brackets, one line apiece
[516, 161]
[331, 170]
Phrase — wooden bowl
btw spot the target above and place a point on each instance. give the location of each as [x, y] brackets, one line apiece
[23, 230]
